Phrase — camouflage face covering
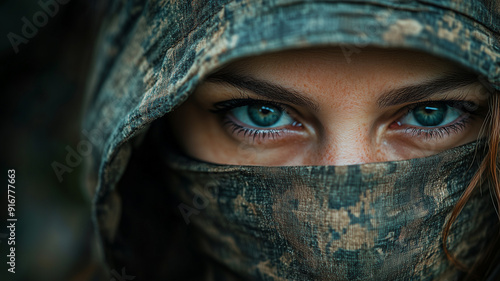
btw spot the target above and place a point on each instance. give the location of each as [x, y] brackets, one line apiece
[378, 221]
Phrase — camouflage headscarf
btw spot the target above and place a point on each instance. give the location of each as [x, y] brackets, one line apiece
[151, 55]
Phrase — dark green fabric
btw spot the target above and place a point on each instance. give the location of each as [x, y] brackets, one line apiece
[378, 221]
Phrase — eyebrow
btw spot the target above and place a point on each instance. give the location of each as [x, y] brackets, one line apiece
[262, 88]
[414, 93]
[408, 94]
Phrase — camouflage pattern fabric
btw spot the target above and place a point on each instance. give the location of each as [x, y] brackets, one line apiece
[153, 53]
[378, 221]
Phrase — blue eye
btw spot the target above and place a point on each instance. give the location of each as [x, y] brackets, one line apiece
[262, 116]
[431, 115]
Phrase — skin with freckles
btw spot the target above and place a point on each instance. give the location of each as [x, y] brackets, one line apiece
[313, 107]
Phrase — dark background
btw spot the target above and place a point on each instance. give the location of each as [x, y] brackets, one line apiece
[42, 86]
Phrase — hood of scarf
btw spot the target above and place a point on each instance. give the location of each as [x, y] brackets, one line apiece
[151, 55]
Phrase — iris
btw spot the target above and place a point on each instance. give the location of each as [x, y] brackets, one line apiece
[264, 115]
[430, 115]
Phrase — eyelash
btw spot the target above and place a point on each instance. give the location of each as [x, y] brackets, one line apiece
[222, 109]
[469, 114]
[441, 131]
[253, 133]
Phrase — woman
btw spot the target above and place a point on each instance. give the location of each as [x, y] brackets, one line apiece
[352, 140]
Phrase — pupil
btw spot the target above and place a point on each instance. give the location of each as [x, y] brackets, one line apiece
[430, 115]
[264, 115]
[428, 110]
[264, 111]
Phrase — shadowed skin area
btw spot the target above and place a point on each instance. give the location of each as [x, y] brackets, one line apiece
[333, 111]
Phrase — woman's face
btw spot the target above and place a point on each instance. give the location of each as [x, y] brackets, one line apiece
[327, 107]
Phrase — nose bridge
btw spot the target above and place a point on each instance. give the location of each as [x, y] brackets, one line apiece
[349, 127]
[347, 144]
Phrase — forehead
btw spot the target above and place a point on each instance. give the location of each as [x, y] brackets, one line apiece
[341, 70]
[345, 58]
